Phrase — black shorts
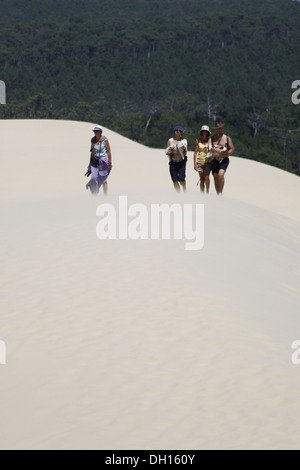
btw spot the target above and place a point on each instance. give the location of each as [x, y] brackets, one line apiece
[217, 166]
[177, 170]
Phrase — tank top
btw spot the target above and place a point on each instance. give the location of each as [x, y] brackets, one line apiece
[201, 157]
[99, 151]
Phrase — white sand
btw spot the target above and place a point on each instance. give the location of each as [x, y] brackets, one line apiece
[123, 344]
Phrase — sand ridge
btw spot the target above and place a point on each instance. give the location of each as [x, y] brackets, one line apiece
[141, 344]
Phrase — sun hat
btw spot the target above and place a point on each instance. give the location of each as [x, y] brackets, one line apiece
[179, 128]
[205, 128]
[98, 128]
[219, 125]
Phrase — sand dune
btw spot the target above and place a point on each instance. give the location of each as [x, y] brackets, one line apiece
[141, 344]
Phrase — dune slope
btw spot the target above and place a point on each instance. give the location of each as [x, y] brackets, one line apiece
[141, 344]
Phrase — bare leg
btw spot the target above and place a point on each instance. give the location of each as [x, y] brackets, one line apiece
[207, 183]
[183, 185]
[216, 180]
[201, 175]
[215, 175]
[176, 185]
[221, 181]
[105, 187]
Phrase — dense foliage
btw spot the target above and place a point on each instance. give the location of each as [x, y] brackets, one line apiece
[142, 66]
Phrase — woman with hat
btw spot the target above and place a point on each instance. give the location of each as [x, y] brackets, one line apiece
[100, 162]
[201, 163]
[220, 164]
[177, 153]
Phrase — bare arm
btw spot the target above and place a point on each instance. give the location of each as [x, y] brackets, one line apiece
[109, 154]
[196, 152]
[231, 147]
[168, 149]
[186, 150]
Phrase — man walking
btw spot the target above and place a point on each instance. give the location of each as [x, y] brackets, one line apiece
[220, 163]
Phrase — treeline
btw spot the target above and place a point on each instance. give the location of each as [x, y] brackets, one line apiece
[140, 67]
[269, 135]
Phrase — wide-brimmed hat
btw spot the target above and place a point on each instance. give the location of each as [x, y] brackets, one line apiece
[179, 128]
[218, 125]
[97, 128]
[205, 128]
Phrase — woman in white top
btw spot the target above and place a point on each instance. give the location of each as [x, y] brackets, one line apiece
[177, 153]
[100, 162]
